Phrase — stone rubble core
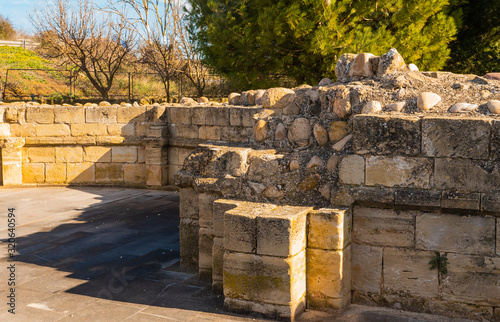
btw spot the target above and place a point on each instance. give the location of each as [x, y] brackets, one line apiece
[295, 198]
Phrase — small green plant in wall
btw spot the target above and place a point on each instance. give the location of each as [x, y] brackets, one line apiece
[440, 262]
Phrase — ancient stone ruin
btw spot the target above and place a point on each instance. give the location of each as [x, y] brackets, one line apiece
[380, 188]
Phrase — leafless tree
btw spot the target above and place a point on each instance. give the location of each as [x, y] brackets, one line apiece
[97, 44]
[167, 47]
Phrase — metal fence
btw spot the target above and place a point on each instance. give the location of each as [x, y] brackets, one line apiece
[67, 85]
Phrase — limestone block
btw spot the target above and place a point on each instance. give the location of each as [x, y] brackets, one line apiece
[352, 169]
[205, 205]
[210, 132]
[52, 130]
[329, 228]
[366, 268]
[141, 129]
[240, 227]
[12, 173]
[96, 154]
[220, 206]
[262, 167]
[472, 279]
[141, 154]
[282, 231]
[134, 173]
[466, 175]
[55, 173]
[69, 114]
[265, 279]
[217, 265]
[121, 129]
[272, 311]
[490, 202]
[235, 116]
[408, 271]
[343, 67]
[156, 175]
[418, 198]
[498, 238]
[205, 245]
[460, 200]
[390, 63]
[180, 115]
[383, 227]
[156, 155]
[88, 129]
[189, 239]
[32, 172]
[329, 278]
[247, 116]
[101, 114]
[218, 116]
[183, 131]
[4, 130]
[124, 154]
[81, 172]
[40, 114]
[495, 139]
[131, 114]
[108, 172]
[456, 137]
[66, 154]
[188, 203]
[386, 135]
[198, 115]
[278, 98]
[342, 103]
[399, 172]
[361, 66]
[458, 234]
[41, 154]
[23, 130]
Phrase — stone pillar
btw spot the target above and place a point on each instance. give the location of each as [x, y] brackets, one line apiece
[206, 237]
[155, 145]
[12, 158]
[265, 260]
[329, 258]
[189, 227]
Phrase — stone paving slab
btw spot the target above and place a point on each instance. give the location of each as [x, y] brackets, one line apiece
[112, 254]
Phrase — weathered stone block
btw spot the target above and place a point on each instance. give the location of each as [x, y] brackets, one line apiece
[282, 231]
[235, 115]
[365, 196]
[498, 238]
[329, 228]
[210, 132]
[55, 173]
[205, 243]
[180, 115]
[183, 131]
[131, 114]
[188, 203]
[33, 172]
[198, 115]
[490, 202]
[69, 154]
[423, 199]
[265, 279]
[460, 200]
[408, 271]
[41, 154]
[273, 311]
[495, 143]
[108, 172]
[220, 206]
[472, 279]
[156, 175]
[52, 130]
[262, 167]
[217, 116]
[205, 204]
[156, 155]
[124, 154]
[23, 130]
[366, 268]
[387, 135]
[121, 129]
[40, 114]
[81, 172]
[399, 172]
[352, 169]
[12, 173]
[189, 239]
[329, 278]
[101, 114]
[217, 265]
[456, 137]
[88, 129]
[96, 154]
[383, 227]
[466, 175]
[458, 234]
[69, 114]
[134, 173]
[4, 130]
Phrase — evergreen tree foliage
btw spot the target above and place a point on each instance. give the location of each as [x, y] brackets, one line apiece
[255, 42]
[477, 47]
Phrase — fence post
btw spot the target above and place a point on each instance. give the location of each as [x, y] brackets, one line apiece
[129, 92]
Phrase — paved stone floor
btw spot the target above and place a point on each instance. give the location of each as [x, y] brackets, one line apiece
[111, 254]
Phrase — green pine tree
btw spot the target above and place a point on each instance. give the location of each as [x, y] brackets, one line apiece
[255, 43]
